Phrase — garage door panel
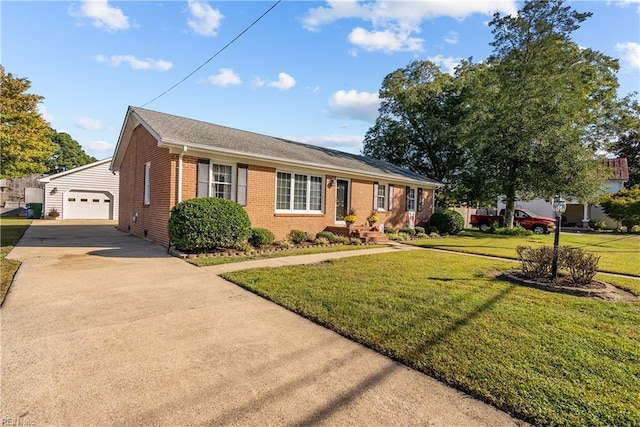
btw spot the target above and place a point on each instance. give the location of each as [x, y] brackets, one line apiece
[87, 205]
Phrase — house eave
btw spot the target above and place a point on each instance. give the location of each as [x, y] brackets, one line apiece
[177, 147]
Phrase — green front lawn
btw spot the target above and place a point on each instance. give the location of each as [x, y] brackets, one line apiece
[11, 230]
[548, 358]
[619, 253]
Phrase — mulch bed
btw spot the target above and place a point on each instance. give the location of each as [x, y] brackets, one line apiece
[596, 289]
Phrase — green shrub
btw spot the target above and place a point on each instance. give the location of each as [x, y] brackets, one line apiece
[419, 230]
[598, 225]
[261, 237]
[331, 237]
[355, 241]
[434, 234]
[285, 244]
[298, 236]
[321, 241]
[207, 223]
[513, 231]
[432, 229]
[408, 231]
[342, 239]
[422, 235]
[447, 221]
[389, 230]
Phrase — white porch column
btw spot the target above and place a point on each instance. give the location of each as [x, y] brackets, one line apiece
[585, 216]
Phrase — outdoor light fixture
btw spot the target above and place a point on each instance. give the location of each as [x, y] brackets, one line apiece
[330, 183]
[54, 190]
[559, 205]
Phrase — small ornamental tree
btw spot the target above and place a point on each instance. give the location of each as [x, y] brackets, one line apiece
[447, 221]
[207, 223]
[623, 206]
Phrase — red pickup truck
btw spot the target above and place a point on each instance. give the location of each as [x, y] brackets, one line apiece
[536, 223]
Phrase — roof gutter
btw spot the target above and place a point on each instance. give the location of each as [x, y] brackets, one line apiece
[323, 168]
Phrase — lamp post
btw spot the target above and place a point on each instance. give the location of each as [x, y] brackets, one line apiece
[559, 206]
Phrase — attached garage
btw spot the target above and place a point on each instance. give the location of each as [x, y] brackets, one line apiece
[86, 192]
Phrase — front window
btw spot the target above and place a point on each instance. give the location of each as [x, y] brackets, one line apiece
[221, 182]
[411, 199]
[147, 183]
[381, 197]
[298, 192]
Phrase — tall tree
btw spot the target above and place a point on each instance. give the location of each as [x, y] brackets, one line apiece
[535, 108]
[68, 155]
[416, 127]
[25, 137]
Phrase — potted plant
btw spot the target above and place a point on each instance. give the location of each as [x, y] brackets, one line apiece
[53, 213]
[350, 218]
[373, 219]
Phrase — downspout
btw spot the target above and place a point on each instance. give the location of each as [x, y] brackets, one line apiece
[184, 150]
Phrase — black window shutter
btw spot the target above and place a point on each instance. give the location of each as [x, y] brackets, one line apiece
[406, 197]
[203, 178]
[241, 193]
[375, 196]
[419, 202]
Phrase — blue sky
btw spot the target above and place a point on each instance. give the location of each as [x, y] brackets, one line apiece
[308, 71]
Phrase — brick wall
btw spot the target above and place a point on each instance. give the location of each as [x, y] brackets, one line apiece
[147, 221]
[150, 221]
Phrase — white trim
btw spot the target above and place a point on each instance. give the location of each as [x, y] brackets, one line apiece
[47, 179]
[147, 184]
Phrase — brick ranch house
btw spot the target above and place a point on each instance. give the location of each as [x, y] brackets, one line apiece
[163, 159]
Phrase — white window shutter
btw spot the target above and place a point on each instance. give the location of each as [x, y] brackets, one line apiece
[241, 193]
[390, 197]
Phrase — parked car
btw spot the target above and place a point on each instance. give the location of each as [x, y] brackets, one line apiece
[526, 219]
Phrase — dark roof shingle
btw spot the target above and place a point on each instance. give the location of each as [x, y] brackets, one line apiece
[180, 130]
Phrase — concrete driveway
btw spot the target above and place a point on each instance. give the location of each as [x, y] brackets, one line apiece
[101, 328]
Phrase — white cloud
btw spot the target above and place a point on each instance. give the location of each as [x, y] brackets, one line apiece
[448, 64]
[135, 63]
[88, 123]
[386, 40]
[355, 105]
[204, 20]
[630, 52]
[45, 114]
[103, 16]
[225, 77]
[284, 82]
[393, 23]
[102, 146]
[452, 37]
[348, 143]
[625, 3]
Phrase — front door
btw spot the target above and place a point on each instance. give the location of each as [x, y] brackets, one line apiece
[342, 199]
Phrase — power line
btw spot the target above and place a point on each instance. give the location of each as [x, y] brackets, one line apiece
[216, 54]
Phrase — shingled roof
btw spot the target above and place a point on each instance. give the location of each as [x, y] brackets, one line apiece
[181, 131]
[618, 168]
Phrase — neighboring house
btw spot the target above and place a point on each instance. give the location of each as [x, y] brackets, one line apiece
[283, 185]
[86, 192]
[579, 214]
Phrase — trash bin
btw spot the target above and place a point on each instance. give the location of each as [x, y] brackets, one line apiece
[35, 210]
[27, 209]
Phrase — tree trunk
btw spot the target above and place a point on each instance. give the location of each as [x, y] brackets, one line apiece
[509, 209]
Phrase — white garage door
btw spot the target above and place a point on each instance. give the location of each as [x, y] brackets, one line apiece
[87, 205]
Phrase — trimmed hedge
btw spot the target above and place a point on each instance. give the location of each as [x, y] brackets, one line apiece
[447, 221]
[207, 223]
[261, 237]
